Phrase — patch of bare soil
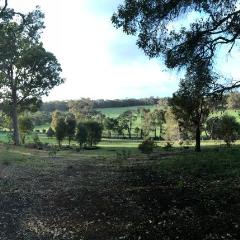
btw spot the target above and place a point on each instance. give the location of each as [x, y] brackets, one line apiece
[75, 201]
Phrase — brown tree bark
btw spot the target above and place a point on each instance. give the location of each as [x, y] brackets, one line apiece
[198, 139]
[15, 119]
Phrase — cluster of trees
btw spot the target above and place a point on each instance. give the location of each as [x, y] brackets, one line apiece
[142, 122]
[233, 100]
[102, 103]
[87, 132]
[225, 128]
[192, 46]
[64, 106]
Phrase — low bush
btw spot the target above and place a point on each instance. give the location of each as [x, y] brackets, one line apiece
[168, 146]
[147, 146]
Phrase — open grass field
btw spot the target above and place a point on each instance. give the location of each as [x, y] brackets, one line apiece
[115, 112]
[97, 195]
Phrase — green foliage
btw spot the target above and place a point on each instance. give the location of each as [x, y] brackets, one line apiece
[70, 128]
[158, 120]
[233, 100]
[25, 127]
[60, 131]
[228, 129]
[213, 127]
[123, 155]
[56, 115]
[188, 40]
[168, 146]
[37, 141]
[28, 71]
[172, 132]
[82, 109]
[194, 100]
[50, 133]
[147, 146]
[81, 134]
[111, 124]
[94, 132]
[126, 120]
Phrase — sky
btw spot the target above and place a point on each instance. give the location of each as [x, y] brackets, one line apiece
[99, 61]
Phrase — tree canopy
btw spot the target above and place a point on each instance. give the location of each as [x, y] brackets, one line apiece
[181, 31]
[193, 102]
[27, 70]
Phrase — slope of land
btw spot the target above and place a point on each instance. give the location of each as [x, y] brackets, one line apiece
[94, 195]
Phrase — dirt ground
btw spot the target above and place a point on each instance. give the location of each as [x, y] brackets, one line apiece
[72, 199]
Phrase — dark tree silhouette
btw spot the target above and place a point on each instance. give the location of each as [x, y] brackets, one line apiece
[162, 29]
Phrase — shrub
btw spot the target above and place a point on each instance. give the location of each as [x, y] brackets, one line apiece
[25, 127]
[228, 130]
[37, 142]
[50, 133]
[147, 146]
[168, 146]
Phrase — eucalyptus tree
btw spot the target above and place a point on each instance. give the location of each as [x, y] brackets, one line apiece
[27, 70]
[71, 123]
[194, 100]
[83, 109]
[158, 120]
[182, 32]
[26, 126]
[127, 120]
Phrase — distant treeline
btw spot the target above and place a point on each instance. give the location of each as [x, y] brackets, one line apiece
[101, 103]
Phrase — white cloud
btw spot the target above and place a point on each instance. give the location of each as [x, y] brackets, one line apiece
[88, 48]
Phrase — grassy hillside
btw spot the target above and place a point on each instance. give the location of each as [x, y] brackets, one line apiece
[97, 195]
[115, 112]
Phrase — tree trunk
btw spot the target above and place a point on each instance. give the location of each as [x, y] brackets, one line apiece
[160, 132]
[141, 134]
[155, 133]
[198, 139]
[15, 120]
[129, 133]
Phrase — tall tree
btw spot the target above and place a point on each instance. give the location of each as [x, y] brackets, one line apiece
[172, 132]
[192, 103]
[111, 124]
[56, 115]
[27, 70]
[94, 132]
[158, 119]
[127, 119]
[81, 134]
[82, 109]
[143, 115]
[60, 131]
[70, 127]
[163, 31]
[26, 126]
[233, 100]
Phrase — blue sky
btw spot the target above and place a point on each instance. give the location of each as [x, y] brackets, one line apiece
[99, 61]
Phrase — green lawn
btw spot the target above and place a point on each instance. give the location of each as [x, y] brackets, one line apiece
[115, 112]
